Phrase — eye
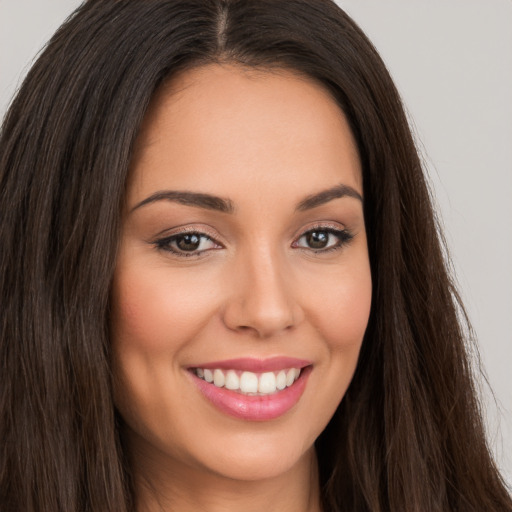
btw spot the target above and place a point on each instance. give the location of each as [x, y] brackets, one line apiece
[187, 244]
[323, 239]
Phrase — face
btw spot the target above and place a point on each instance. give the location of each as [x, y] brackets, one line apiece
[243, 259]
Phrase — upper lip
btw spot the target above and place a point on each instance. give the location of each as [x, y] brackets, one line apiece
[255, 365]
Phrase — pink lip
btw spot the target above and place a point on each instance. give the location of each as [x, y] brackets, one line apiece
[253, 408]
[249, 364]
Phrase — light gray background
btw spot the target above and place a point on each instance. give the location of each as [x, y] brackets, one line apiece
[452, 62]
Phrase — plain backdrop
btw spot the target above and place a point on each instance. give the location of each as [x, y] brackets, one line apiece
[452, 62]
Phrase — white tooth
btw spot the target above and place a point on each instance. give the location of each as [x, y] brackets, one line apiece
[200, 372]
[267, 383]
[281, 380]
[232, 380]
[297, 373]
[218, 378]
[248, 382]
[208, 375]
[290, 377]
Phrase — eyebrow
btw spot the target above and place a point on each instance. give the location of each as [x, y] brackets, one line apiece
[211, 202]
[197, 199]
[328, 195]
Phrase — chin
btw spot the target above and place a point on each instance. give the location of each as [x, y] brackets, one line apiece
[256, 464]
[258, 452]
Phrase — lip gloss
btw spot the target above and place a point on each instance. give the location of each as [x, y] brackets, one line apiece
[254, 407]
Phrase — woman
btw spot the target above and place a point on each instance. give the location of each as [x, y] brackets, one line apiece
[223, 286]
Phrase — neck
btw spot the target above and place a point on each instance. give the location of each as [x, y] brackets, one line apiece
[163, 486]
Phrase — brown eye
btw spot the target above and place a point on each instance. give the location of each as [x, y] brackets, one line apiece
[188, 242]
[323, 240]
[317, 239]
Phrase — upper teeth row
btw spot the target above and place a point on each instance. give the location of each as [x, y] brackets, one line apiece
[249, 382]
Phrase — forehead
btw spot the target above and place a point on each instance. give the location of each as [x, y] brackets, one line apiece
[213, 126]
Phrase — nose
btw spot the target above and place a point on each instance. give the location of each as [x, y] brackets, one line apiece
[263, 300]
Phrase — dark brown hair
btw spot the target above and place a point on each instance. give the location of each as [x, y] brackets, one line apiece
[408, 435]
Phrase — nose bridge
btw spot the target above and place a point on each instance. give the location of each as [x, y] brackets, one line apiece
[263, 297]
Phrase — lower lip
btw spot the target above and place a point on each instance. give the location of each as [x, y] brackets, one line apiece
[254, 408]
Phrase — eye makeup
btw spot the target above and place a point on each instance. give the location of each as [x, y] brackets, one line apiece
[194, 242]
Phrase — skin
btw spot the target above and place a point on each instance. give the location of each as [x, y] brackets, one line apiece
[265, 141]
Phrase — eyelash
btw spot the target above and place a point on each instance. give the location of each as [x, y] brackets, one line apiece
[164, 244]
[343, 235]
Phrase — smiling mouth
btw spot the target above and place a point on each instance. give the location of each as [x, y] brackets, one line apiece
[249, 383]
[252, 389]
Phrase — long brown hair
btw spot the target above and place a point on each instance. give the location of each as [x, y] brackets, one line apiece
[408, 435]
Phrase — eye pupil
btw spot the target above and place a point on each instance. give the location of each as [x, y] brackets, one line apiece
[317, 239]
[188, 242]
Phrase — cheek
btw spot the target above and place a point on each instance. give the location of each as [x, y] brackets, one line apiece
[156, 315]
[339, 307]
[349, 314]
[157, 310]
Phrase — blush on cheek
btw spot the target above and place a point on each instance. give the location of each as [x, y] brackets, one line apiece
[136, 313]
[157, 311]
[348, 316]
